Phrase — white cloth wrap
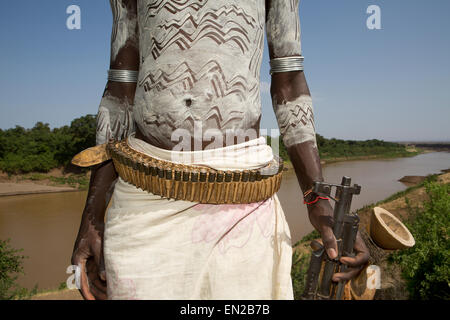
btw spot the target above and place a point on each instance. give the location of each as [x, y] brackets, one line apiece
[157, 248]
[253, 154]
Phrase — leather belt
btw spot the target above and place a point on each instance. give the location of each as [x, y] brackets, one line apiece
[194, 183]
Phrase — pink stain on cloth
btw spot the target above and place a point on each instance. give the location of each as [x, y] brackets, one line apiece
[231, 225]
[124, 288]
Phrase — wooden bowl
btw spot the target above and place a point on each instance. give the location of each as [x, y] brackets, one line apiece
[388, 232]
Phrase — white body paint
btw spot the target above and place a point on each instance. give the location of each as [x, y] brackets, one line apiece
[283, 28]
[124, 28]
[199, 63]
[114, 119]
[296, 120]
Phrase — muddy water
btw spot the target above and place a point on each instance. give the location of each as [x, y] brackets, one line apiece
[46, 225]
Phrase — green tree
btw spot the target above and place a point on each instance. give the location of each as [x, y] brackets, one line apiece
[41, 149]
[83, 132]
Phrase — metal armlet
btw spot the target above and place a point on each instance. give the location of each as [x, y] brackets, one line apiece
[123, 75]
[286, 64]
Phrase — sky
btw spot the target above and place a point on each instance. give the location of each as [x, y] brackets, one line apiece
[391, 84]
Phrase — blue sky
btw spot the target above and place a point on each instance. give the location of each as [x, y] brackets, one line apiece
[391, 84]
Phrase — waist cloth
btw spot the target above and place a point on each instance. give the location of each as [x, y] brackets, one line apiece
[157, 248]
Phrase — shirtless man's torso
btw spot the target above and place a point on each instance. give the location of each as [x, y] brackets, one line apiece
[199, 67]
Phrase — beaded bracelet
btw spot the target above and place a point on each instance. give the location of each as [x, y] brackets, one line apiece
[315, 200]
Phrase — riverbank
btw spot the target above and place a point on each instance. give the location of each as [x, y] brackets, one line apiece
[23, 188]
[402, 205]
[383, 156]
[56, 180]
[64, 294]
[410, 152]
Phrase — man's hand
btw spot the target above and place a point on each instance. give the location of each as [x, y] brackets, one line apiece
[356, 264]
[88, 256]
[321, 217]
[88, 249]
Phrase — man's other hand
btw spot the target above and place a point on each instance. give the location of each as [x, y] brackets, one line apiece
[88, 256]
[321, 217]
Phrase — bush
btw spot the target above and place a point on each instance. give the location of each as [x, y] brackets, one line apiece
[300, 265]
[10, 267]
[426, 266]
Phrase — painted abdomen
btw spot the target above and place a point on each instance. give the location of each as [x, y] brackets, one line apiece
[200, 64]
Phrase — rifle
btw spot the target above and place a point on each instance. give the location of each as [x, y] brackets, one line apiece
[345, 229]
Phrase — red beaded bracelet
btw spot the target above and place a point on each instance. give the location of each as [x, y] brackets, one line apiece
[315, 200]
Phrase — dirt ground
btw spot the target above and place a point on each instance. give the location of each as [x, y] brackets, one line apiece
[59, 295]
[27, 187]
[25, 184]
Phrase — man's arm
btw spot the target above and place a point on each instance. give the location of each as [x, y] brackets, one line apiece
[293, 108]
[114, 120]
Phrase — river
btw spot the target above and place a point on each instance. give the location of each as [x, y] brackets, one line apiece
[45, 225]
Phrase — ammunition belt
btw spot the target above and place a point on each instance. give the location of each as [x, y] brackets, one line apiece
[194, 183]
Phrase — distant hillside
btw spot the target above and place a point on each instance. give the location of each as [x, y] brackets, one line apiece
[438, 146]
[338, 150]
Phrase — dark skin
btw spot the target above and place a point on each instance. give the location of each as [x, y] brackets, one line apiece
[88, 249]
[306, 161]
